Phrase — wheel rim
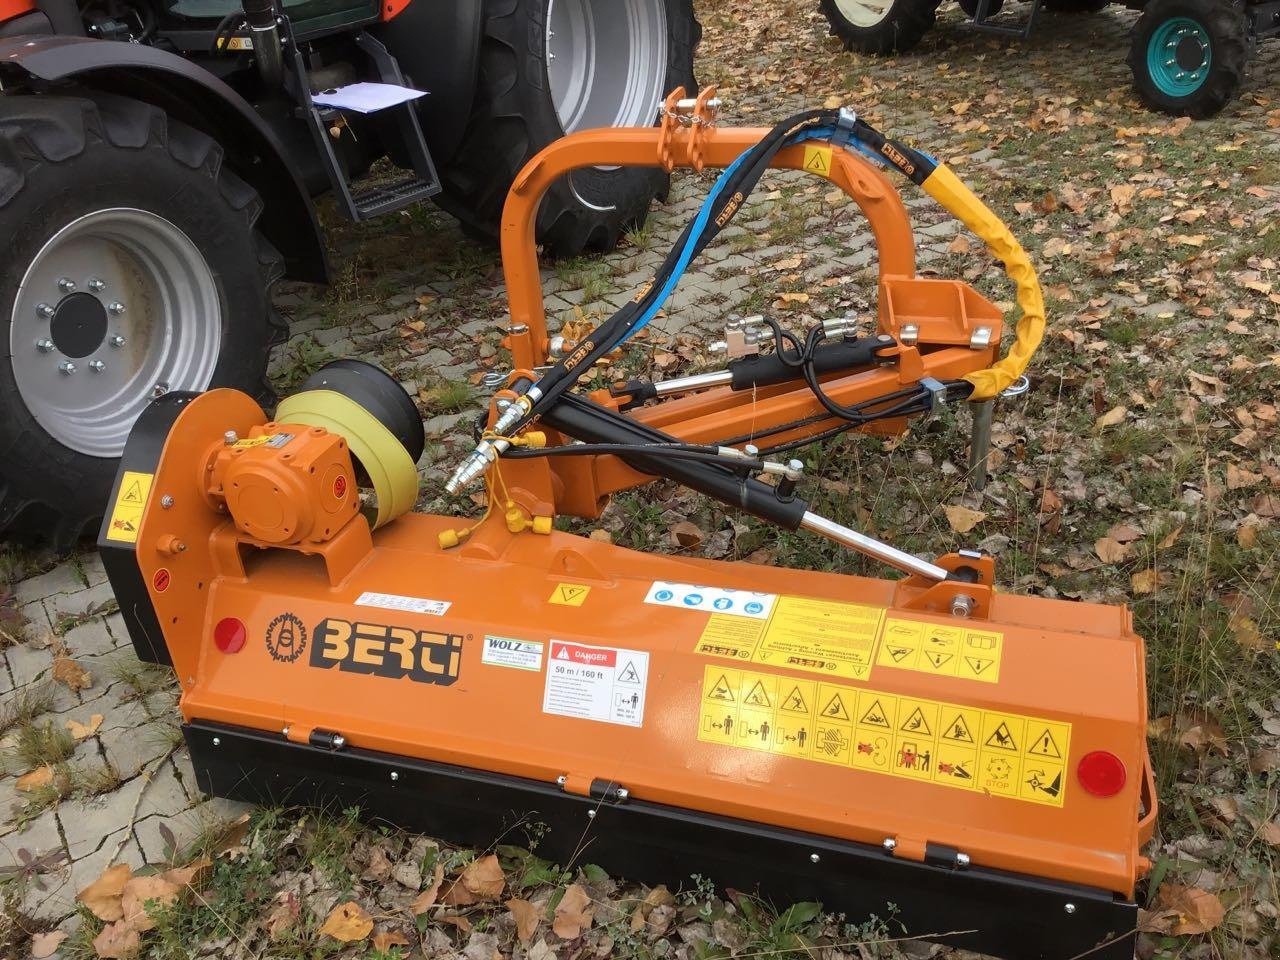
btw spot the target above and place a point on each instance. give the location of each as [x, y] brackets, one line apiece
[93, 337]
[1179, 55]
[606, 61]
[864, 13]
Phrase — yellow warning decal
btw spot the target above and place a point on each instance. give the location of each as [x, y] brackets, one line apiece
[820, 636]
[948, 650]
[818, 160]
[1009, 755]
[126, 515]
[569, 594]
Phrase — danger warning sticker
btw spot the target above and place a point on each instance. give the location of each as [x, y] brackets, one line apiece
[126, 514]
[970, 653]
[1009, 755]
[607, 684]
[820, 636]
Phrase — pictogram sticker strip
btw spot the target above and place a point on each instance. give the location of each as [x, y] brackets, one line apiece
[1003, 754]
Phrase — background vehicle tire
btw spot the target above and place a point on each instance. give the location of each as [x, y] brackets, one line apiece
[880, 26]
[970, 7]
[1076, 6]
[550, 67]
[1188, 56]
[129, 263]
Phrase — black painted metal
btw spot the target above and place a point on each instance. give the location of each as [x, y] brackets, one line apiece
[1008, 915]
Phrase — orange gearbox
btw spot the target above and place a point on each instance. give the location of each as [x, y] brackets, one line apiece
[285, 483]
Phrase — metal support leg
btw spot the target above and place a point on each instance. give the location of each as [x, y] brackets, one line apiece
[980, 443]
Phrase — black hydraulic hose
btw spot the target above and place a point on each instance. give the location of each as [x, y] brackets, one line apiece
[589, 421]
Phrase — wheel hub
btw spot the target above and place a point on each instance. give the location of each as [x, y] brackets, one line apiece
[79, 325]
[118, 307]
[1190, 53]
[1179, 55]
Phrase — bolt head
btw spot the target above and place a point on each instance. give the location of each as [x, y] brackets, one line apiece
[117, 341]
[561, 780]
[591, 814]
[67, 368]
[890, 844]
[44, 310]
[67, 285]
[814, 858]
[159, 390]
[751, 450]
[623, 793]
[394, 776]
[97, 366]
[217, 741]
[96, 286]
[961, 605]
[962, 859]
[115, 308]
[44, 345]
[167, 502]
[1069, 908]
[230, 437]
[339, 742]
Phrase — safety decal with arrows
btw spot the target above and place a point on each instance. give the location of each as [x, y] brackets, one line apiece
[126, 515]
[1009, 755]
[943, 649]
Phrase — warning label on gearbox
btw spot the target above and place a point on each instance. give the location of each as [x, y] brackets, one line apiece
[596, 683]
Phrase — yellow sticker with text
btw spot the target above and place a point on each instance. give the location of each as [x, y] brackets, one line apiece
[569, 594]
[728, 636]
[820, 636]
[818, 160]
[1002, 754]
[131, 500]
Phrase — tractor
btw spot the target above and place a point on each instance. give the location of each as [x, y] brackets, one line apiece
[1188, 57]
[159, 160]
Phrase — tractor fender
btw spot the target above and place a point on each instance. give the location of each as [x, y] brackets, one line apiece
[438, 48]
[197, 98]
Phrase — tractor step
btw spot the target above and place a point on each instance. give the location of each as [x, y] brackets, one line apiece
[982, 24]
[388, 198]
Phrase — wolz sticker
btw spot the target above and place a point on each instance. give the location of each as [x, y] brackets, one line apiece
[424, 656]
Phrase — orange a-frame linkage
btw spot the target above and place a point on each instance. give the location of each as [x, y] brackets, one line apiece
[944, 313]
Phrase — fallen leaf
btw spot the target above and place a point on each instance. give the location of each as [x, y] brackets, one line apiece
[1246, 632]
[573, 914]
[102, 897]
[961, 518]
[1199, 911]
[1268, 832]
[427, 898]
[140, 891]
[1112, 417]
[1111, 551]
[1123, 533]
[1238, 478]
[1144, 581]
[348, 922]
[191, 874]
[81, 730]
[484, 877]
[1203, 734]
[687, 535]
[67, 671]
[46, 944]
[526, 917]
[37, 778]
[459, 921]
[117, 941]
[1247, 536]
[833, 102]
[1169, 539]
[384, 940]
[284, 914]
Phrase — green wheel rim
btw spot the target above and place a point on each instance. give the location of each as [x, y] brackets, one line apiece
[1179, 55]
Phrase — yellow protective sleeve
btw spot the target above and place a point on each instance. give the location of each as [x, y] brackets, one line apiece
[945, 187]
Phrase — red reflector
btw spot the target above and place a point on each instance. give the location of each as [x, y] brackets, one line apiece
[1102, 773]
[229, 635]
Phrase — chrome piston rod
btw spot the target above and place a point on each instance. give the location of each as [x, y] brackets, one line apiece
[872, 547]
[699, 381]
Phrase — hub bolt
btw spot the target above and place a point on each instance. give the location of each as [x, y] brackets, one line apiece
[67, 285]
[44, 310]
[115, 308]
[96, 285]
[97, 366]
[44, 346]
[67, 368]
[117, 341]
[159, 390]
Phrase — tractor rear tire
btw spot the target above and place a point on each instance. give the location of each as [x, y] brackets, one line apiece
[970, 7]
[142, 251]
[1076, 6]
[1188, 57]
[515, 112]
[865, 26]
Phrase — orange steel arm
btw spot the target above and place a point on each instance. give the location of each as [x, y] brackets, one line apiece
[641, 147]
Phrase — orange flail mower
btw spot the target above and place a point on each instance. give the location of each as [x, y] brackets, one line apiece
[974, 758]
